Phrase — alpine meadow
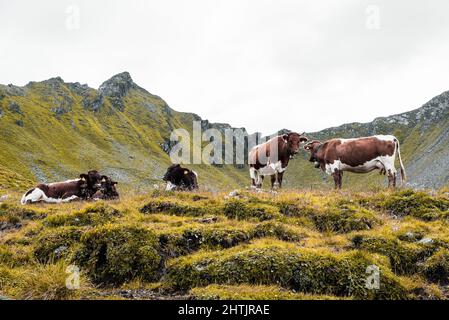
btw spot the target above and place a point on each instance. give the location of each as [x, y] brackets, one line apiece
[225, 240]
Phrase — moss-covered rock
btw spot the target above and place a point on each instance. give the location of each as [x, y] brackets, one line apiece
[115, 254]
[94, 214]
[290, 267]
[436, 268]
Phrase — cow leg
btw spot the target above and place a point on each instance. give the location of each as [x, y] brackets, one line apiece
[254, 177]
[280, 177]
[340, 179]
[391, 179]
[260, 183]
[337, 175]
[273, 180]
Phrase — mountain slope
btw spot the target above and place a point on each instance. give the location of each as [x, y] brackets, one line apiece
[53, 130]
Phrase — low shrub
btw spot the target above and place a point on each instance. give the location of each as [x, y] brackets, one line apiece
[115, 254]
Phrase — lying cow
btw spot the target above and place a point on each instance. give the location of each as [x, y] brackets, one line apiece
[179, 178]
[83, 188]
[271, 158]
[359, 155]
[107, 191]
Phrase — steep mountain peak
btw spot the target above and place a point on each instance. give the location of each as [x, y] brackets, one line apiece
[117, 86]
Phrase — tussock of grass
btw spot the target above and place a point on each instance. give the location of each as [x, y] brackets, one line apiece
[436, 268]
[54, 244]
[288, 266]
[251, 292]
[115, 254]
[418, 204]
[404, 257]
[96, 214]
[289, 245]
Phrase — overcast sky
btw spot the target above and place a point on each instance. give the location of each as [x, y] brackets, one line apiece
[264, 65]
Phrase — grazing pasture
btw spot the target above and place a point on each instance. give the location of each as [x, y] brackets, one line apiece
[294, 244]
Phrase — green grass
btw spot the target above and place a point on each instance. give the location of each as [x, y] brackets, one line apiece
[314, 245]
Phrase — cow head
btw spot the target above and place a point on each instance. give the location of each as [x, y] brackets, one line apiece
[313, 147]
[93, 181]
[108, 189]
[293, 141]
[170, 174]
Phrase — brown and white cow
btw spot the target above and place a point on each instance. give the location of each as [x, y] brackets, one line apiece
[358, 155]
[83, 188]
[271, 158]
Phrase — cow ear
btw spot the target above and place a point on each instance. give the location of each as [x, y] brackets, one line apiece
[285, 137]
[84, 176]
[303, 139]
[186, 171]
[114, 183]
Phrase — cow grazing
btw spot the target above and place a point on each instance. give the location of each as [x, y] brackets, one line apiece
[82, 188]
[271, 158]
[179, 178]
[358, 155]
[108, 190]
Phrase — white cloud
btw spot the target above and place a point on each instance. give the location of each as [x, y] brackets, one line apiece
[265, 65]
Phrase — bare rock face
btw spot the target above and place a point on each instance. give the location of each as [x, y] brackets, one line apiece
[117, 88]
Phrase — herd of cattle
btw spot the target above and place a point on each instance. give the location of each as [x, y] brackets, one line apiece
[358, 155]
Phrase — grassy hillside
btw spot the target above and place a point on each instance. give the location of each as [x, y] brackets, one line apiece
[296, 244]
[53, 130]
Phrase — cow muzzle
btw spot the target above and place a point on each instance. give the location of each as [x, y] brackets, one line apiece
[316, 164]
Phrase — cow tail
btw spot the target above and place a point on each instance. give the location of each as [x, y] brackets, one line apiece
[403, 174]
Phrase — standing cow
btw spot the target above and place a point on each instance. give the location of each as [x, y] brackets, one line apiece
[358, 155]
[271, 158]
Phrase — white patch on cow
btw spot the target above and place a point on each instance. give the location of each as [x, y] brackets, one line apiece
[170, 186]
[271, 169]
[385, 137]
[382, 162]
